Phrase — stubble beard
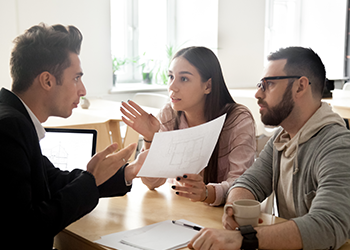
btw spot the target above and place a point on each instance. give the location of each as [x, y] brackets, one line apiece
[277, 114]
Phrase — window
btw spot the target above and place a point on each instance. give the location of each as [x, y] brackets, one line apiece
[141, 33]
[311, 24]
[282, 24]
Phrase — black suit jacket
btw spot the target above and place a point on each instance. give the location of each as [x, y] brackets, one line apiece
[39, 200]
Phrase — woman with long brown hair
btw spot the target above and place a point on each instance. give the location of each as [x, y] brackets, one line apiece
[198, 94]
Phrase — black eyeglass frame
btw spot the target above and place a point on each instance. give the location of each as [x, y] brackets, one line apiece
[262, 82]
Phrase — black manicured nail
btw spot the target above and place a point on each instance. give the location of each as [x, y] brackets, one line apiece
[185, 176]
[178, 178]
[177, 193]
[173, 187]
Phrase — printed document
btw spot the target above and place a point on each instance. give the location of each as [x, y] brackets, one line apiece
[184, 151]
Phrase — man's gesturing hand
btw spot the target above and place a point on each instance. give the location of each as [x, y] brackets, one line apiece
[105, 164]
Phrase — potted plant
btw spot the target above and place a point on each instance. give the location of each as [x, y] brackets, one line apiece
[162, 72]
[147, 66]
[84, 102]
[117, 64]
[147, 71]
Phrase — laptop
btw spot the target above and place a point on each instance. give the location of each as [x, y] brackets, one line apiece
[69, 148]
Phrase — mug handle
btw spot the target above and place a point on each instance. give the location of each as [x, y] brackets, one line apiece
[227, 206]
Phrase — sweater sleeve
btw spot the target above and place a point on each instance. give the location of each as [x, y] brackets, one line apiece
[258, 179]
[241, 142]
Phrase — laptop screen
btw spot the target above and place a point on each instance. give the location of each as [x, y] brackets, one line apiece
[69, 148]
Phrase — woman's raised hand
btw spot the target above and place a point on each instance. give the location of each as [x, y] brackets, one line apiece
[139, 120]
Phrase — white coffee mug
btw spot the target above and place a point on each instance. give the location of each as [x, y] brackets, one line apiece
[246, 212]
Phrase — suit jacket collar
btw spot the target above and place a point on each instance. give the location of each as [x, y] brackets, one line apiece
[10, 99]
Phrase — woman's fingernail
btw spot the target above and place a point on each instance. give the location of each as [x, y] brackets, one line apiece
[185, 176]
[173, 187]
[178, 178]
[177, 193]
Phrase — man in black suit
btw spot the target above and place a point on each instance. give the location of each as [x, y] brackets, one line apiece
[39, 200]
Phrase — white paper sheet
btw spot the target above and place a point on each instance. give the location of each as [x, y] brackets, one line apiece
[162, 235]
[184, 151]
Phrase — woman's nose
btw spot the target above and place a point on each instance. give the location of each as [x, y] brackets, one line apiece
[172, 85]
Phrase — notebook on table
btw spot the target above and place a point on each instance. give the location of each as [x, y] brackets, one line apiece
[163, 235]
[69, 148]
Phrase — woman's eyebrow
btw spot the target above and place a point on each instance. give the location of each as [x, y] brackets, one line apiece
[182, 72]
[185, 72]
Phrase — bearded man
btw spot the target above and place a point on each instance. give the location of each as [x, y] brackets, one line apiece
[306, 164]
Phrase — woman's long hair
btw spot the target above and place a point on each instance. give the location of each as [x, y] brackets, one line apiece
[217, 103]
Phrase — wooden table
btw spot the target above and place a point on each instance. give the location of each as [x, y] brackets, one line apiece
[105, 117]
[139, 208]
[340, 106]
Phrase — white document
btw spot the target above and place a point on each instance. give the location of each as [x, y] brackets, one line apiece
[184, 151]
[162, 235]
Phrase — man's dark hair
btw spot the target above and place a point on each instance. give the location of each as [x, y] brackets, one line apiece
[42, 48]
[304, 62]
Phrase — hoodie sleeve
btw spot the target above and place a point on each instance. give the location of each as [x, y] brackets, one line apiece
[258, 179]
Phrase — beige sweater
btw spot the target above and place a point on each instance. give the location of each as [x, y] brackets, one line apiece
[237, 150]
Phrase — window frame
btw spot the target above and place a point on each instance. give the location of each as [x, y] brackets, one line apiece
[269, 24]
[131, 34]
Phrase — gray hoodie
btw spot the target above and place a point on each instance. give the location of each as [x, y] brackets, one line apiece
[289, 148]
[320, 178]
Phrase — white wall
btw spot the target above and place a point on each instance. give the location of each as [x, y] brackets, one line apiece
[8, 31]
[90, 16]
[197, 23]
[241, 41]
[240, 28]
[323, 30]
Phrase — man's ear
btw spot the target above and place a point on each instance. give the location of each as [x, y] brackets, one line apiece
[208, 87]
[303, 85]
[46, 80]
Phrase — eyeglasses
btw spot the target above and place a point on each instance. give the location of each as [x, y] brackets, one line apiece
[263, 84]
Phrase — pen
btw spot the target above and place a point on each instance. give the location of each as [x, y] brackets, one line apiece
[186, 225]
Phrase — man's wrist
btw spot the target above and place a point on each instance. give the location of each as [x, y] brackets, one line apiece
[250, 241]
[128, 173]
[128, 179]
